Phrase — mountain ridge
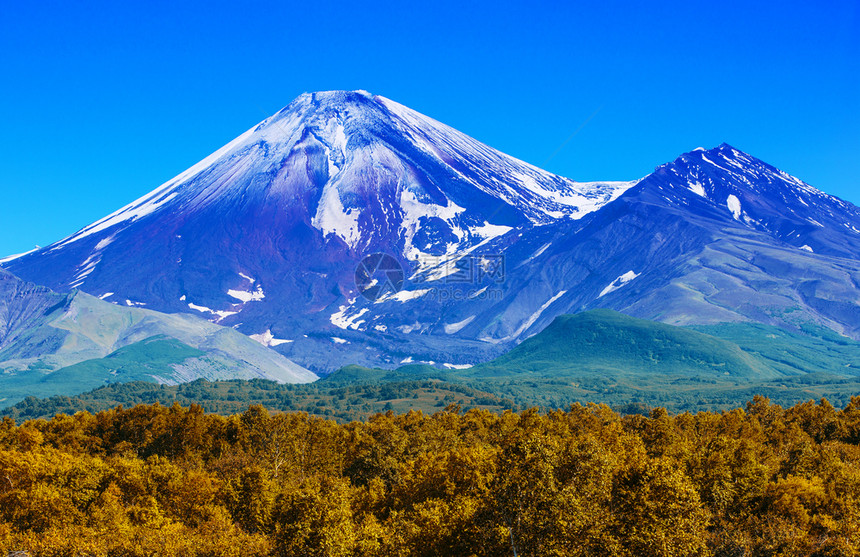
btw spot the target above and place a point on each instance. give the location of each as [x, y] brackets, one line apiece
[265, 235]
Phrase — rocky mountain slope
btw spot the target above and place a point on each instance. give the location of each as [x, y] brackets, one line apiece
[268, 236]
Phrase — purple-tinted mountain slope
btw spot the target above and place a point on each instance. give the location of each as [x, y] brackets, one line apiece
[265, 236]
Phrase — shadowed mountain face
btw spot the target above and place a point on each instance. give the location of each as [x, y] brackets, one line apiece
[720, 236]
[716, 236]
[22, 305]
[692, 243]
[265, 236]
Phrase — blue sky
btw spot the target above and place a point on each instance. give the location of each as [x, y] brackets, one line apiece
[102, 102]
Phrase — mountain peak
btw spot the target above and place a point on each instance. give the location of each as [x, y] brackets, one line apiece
[757, 195]
[266, 234]
[327, 153]
[338, 95]
[333, 176]
[328, 98]
[722, 150]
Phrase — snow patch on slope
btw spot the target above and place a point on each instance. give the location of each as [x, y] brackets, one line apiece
[539, 252]
[342, 320]
[457, 366]
[618, 283]
[528, 322]
[454, 328]
[268, 339]
[734, 205]
[415, 210]
[698, 189]
[245, 297]
[534, 317]
[404, 296]
[333, 218]
[220, 313]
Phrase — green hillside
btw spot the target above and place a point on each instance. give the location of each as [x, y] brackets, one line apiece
[596, 356]
[82, 342]
[146, 360]
[612, 344]
[809, 351]
[605, 356]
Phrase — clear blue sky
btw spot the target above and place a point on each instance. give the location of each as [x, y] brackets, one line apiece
[101, 103]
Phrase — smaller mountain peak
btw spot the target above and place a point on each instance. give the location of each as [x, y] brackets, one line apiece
[722, 148]
[725, 148]
[754, 193]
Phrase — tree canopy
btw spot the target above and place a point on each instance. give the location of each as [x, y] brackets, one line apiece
[157, 480]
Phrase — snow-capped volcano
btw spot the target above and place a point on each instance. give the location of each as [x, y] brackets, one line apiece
[366, 169]
[267, 233]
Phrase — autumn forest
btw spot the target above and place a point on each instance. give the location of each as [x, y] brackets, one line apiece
[156, 480]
